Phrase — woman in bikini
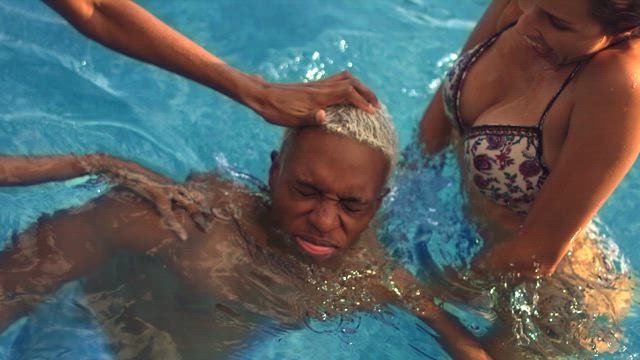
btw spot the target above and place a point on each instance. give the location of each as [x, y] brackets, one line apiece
[543, 112]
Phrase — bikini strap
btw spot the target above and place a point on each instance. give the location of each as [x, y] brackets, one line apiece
[566, 82]
[475, 54]
[487, 43]
[573, 74]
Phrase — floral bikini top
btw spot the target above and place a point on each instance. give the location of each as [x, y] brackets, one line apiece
[504, 161]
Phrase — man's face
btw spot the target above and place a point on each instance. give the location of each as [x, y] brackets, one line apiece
[325, 190]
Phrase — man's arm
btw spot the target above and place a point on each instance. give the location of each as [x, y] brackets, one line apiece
[412, 295]
[72, 243]
[127, 28]
[156, 188]
[30, 170]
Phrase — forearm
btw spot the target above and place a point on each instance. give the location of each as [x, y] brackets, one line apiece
[24, 170]
[435, 128]
[540, 254]
[455, 338]
[415, 297]
[10, 311]
[127, 28]
[527, 254]
[30, 170]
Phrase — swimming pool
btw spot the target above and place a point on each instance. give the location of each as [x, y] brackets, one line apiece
[63, 94]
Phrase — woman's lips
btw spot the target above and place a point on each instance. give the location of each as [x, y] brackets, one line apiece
[314, 248]
[539, 48]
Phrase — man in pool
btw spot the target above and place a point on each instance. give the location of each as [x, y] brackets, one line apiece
[303, 248]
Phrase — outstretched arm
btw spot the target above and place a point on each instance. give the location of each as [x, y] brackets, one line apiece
[156, 188]
[126, 27]
[30, 170]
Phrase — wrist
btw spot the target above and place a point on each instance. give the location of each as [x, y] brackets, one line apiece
[244, 88]
[90, 163]
[526, 263]
[428, 309]
[253, 92]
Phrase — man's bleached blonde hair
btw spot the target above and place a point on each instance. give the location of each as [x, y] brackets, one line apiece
[375, 130]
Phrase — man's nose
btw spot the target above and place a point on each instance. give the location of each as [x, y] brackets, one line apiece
[325, 216]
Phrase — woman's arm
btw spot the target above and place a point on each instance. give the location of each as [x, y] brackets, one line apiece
[602, 144]
[435, 128]
[127, 28]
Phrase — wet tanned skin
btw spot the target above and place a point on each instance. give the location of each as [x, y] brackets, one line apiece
[316, 170]
[258, 258]
[74, 242]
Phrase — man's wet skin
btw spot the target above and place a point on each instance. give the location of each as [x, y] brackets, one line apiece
[325, 190]
[255, 258]
[273, 258]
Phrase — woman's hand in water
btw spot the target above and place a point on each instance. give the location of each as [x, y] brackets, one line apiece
[512, 257]
[156, 188]
[304, 103]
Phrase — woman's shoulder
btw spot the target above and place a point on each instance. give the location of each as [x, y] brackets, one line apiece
[616, 66]
[612, 72]
[608, 89]
[498, 15]
[510, 13]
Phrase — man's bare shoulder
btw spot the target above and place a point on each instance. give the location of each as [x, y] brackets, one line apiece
[223, 194]
[214, 184]
[131, 222]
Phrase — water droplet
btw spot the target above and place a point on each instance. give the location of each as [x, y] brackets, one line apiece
[348, 331]
[343, 45]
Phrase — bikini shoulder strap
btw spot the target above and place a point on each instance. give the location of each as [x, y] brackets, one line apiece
[473, 55]
[571, 76]
[566, 82]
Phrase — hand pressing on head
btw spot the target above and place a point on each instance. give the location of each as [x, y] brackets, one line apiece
[303, 104]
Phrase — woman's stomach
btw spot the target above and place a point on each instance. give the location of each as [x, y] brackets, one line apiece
[494, 222]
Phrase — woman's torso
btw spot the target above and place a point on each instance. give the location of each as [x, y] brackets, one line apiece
[511, 113]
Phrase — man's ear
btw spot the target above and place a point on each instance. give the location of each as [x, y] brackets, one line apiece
[274, 170]
[384, 194]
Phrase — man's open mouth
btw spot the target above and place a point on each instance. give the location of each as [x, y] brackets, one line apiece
[315, 247]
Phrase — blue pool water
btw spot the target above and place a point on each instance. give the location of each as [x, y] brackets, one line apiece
[62, 93]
